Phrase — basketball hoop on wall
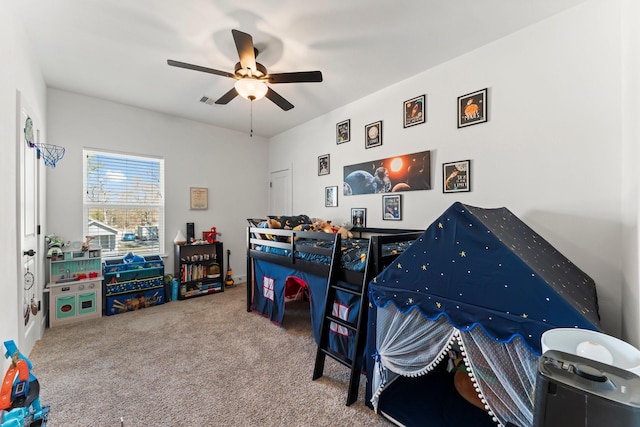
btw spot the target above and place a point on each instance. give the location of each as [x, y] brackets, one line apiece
[49, 153]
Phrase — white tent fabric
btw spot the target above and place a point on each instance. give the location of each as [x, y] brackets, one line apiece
[504, 374]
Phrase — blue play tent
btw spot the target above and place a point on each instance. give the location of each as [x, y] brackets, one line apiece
[481, 283]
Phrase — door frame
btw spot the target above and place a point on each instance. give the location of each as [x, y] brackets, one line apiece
[31, 331]
[282, 210]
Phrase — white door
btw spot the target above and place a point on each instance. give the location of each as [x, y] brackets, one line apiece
[280, 200]
[30, 283]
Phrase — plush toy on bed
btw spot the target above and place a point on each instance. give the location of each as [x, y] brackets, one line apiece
[270, 223]
[290, 222]
[322, 226]
[297, 222]
[325, 226]
[343, 232]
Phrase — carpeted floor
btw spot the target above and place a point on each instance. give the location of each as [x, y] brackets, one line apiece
[199, 362]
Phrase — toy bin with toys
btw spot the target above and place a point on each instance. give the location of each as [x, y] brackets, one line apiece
[133, 282]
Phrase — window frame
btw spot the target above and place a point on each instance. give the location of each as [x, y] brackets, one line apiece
[158, 205]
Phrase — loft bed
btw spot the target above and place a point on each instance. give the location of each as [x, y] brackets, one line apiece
[285, 264]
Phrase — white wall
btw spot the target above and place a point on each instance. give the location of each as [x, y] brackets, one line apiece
[17, 72]
[551, 151]
[229, 163]
[630, 184]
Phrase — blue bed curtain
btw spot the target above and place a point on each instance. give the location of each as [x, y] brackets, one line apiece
[274, 283]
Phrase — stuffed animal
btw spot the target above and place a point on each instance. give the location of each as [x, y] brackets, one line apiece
[303, 227]
[322, 226]
[343, 232]
[55, 245]
[273, 223]
[326, 227]
[291, 222]
[270, 223]
[300, 227]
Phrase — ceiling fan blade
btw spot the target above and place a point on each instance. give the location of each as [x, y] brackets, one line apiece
[279, 100]
[224, 99]
[295, 77]
[198, 68]
[246, 52]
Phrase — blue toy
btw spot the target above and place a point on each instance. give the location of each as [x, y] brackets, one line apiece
[19, 395]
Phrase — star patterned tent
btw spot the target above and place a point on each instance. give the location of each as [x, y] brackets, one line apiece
[482, 281]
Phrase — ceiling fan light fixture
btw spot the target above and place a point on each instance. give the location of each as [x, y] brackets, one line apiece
[251, 89]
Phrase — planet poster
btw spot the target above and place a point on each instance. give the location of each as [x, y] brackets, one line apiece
[408, 172]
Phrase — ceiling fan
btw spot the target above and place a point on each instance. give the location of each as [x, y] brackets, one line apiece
[251, 76]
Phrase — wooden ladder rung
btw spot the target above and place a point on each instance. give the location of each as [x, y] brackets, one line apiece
[342, 322]
[338, 357]
[352, 291]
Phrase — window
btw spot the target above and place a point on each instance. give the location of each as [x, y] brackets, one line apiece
[124, 202]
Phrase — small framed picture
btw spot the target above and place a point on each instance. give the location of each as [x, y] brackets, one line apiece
[373, 135]
[323, 165]
[359, 217]
[472, 108]
[414, 111]
[343, 131]
[392, 207]
[331, 196]
[199, 198]
[456, 176]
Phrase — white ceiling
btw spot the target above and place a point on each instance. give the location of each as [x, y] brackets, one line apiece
[118, 49]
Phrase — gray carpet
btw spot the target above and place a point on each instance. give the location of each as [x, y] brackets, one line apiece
[198, 362]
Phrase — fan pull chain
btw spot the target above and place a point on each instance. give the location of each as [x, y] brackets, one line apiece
[251, 133]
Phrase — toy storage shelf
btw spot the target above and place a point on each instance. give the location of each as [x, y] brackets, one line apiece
[133, 283]
[199, 269]
[75, 286]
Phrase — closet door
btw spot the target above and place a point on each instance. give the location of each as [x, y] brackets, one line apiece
[280, 193]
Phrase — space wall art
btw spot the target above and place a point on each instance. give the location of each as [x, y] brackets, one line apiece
[407, 172]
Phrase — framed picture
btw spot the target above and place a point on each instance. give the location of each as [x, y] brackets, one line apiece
[456, 176]
[331, 196]
[359, 217]
[414, 111]
[343, 131]
[405, 172]
[472, 108]
[392, 207]
[323, 165]
[199, 198]
[373, 134]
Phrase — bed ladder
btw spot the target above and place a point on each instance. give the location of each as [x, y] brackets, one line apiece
[360, 327]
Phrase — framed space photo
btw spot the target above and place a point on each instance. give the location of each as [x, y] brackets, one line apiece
[472, 108]
[456, 176]
[331, 196]
[392, 207]
[414, 111]
[323, 165]
[343, 131]
[373, 135]
[359, 217]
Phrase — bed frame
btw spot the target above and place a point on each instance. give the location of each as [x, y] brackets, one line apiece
[376, 261]
[339, 279]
